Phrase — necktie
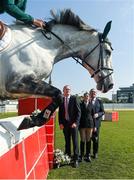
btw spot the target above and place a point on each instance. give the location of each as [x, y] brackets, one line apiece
[66, 108]
[86, 104]
[93, 101]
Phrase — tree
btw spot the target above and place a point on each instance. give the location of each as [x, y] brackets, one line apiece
[106, 100]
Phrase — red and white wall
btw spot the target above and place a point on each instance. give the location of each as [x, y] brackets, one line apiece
[26, 154]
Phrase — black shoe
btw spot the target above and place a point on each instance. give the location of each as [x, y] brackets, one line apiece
[80, 158]
[95, 156]
[88, 159]
[76, 164]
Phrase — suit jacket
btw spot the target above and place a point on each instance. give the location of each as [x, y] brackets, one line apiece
[98, 108]
[87, 112]
[73, 111]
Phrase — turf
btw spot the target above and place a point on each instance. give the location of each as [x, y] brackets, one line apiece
[9, 114]
[116, 153]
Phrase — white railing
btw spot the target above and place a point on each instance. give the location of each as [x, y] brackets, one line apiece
[8, 108]
[117, 106]
[109, 106]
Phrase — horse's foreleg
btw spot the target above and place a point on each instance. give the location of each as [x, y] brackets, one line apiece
[37, 88]
[46, 113]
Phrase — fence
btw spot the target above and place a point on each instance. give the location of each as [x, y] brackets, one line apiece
[108, 106]
[117, 106]
[8, 108]
[28, 154]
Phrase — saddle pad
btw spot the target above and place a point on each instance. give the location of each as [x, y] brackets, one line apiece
[5, 41]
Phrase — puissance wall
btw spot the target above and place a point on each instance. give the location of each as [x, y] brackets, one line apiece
[26, 154]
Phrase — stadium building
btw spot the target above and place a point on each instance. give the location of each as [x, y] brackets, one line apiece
[125, 94]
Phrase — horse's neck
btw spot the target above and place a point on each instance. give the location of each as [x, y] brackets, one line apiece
[76, 42]
[27, 33]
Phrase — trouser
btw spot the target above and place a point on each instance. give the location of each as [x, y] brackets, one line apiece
[85, 134]
[95, 139]
[82, 148]
[68, 133]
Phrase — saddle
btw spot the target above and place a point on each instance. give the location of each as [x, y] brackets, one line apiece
[3, 29]
[5, 36]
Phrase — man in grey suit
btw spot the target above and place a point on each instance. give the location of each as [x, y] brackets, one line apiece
[69, 117]
[98, 114]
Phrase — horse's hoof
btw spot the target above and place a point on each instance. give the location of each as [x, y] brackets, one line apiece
[39, 121]
[25, 124]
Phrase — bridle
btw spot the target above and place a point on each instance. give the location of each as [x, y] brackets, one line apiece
[100, 66]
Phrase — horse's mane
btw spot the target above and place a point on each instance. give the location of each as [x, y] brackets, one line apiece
[67, 17]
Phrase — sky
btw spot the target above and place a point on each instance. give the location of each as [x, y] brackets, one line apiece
[95, 13]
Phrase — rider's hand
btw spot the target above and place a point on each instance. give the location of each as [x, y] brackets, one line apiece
[38, 23]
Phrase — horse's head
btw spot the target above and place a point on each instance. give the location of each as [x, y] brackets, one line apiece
[99, 63]
[81, 41]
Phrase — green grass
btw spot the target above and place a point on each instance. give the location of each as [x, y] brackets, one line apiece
[9, 114]
[116, 153]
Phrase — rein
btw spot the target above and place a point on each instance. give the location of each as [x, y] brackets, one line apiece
[44, 32]
[100, 66]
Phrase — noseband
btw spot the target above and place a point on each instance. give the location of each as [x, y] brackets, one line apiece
[100, 66]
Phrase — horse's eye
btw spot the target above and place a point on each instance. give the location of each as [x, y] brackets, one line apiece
[108, 52]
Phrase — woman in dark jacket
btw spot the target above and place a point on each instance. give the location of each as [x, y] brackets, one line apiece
[86, 127]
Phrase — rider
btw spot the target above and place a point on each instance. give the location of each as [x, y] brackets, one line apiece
[16, 8]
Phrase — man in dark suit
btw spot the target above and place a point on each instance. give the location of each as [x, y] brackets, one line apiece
[69, 117]
[99, 112]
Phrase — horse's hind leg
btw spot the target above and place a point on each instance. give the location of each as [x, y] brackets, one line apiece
[37, 88]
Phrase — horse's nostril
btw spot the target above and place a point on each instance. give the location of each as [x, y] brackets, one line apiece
[110, 86]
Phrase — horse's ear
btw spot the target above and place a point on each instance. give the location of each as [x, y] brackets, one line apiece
[106, 30]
